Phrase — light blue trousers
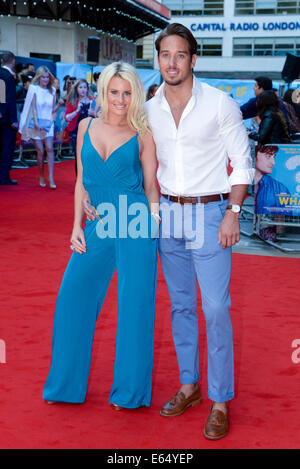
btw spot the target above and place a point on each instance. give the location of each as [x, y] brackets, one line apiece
[211, 265]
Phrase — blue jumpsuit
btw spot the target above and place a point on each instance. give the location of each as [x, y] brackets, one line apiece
[86, 280]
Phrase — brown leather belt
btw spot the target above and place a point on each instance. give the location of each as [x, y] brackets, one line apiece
[203, 199]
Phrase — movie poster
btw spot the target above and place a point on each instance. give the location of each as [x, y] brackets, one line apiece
[277, 180]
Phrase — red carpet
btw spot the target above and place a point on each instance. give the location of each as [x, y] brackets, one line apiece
[35, 230]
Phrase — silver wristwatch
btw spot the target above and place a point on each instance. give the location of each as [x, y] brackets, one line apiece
[235, 208]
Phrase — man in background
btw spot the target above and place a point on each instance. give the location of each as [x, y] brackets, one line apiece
[249, 109]
[8, 119]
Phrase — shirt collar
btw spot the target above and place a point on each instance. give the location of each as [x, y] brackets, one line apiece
[266, 180]
[197, 88]
[7, 68]
[160, 93]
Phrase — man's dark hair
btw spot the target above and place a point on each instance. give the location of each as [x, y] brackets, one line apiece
[25, 78]
[177, 29]
[19, 68]
[268, 149]
[31, 75]
[7, 58]
[264, 82]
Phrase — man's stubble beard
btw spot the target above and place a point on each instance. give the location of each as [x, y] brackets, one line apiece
[180, 80]
[174, 83]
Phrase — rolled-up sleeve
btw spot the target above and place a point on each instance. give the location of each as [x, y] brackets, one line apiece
[235, 139]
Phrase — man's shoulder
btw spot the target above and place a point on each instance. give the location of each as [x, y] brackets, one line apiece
[250, 102]
[4, 74]
[211, 94]
[208, 89]
[277, 185]
[151, 102]
[151, 105]
[203, 86]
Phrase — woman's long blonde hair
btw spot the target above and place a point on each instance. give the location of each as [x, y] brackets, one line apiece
[40, 71]
[137, 116]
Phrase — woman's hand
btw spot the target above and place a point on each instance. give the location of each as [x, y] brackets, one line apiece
[86, 205]
[37, 127]
[78, 240]
[79, 106]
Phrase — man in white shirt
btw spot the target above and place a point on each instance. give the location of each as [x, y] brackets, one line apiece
[197, 129]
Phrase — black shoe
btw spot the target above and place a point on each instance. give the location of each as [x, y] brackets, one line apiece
[9, 182]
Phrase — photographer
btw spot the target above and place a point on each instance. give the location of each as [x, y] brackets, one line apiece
[78, 108]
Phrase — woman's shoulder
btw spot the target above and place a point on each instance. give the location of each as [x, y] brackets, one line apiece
[269, 113]
[32, 87]
[83, 124]
[146, 139]
[145, 136]
[70, 107]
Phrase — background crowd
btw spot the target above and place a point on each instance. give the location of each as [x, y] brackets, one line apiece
[30, 99]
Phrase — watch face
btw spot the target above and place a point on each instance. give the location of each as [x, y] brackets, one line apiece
[236, 208]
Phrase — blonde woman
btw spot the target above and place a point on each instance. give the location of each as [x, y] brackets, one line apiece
[37, 122]
[116, 161]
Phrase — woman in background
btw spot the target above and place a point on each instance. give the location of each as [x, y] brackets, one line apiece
[272, 127]
[37, 122]
[78, 108]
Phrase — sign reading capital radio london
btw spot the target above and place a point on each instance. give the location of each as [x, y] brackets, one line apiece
[251, 26]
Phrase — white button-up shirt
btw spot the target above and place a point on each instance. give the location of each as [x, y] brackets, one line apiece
[193, 158]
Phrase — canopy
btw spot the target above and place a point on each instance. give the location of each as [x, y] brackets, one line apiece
[128, 19]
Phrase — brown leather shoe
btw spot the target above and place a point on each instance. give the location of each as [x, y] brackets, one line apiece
[179, 403]
[217, 424]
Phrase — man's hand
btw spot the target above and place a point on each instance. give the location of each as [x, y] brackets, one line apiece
[229, 231]
[86, 204]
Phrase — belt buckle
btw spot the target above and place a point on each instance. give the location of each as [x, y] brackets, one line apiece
[178, 199]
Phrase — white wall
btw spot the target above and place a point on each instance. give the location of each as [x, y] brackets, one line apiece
[28, 35]
[23, 36]
[44, 39]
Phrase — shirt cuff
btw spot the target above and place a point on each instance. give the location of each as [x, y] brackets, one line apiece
[241, 176]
